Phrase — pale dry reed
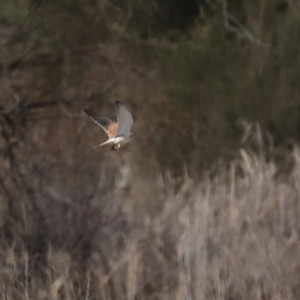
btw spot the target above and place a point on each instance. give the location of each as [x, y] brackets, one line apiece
[233, 236]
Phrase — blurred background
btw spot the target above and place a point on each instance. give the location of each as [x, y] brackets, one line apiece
[203, 80]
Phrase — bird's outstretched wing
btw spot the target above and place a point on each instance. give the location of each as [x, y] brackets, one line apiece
[109, 126]
[125, 120]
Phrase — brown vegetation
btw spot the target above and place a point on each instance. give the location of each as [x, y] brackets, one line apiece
[235, 236]
[150, 222]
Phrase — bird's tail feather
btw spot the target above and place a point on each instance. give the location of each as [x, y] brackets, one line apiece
[105, 143]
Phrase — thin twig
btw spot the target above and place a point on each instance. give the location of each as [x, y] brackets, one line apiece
[233, 25]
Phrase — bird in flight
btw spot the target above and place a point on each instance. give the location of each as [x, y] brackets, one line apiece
[119, 133]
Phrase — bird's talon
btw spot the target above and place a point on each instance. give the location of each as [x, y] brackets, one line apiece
[116, 147]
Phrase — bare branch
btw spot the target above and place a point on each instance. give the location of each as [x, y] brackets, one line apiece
[233, 25]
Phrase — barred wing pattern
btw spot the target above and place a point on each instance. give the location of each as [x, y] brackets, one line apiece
[109, 126]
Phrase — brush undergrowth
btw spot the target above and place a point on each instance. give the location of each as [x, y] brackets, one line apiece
[231, 236]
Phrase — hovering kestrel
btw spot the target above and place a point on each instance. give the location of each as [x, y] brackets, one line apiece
[119, 133]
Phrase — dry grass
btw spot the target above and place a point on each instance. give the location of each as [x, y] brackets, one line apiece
[75, 227]
[233, 236]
